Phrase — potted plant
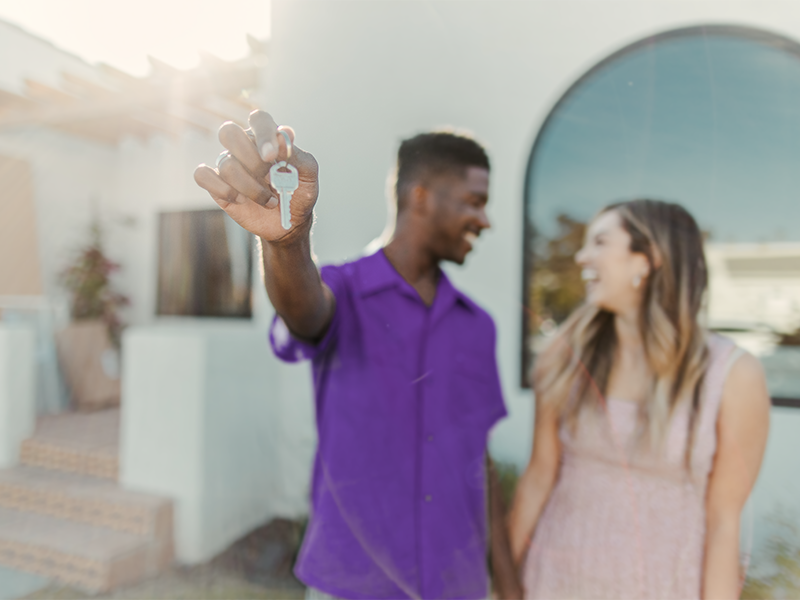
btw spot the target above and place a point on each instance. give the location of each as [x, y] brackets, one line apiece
[88, 347]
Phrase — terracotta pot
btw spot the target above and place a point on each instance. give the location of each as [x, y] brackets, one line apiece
[90, 365]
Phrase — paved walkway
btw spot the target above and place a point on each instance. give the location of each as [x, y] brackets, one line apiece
[16, 584]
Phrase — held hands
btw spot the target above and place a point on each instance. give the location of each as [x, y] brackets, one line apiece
[241, 183]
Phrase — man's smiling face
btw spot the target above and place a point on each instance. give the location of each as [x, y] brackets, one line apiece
[459, 216]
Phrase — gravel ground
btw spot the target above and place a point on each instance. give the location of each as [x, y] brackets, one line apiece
[198, 583]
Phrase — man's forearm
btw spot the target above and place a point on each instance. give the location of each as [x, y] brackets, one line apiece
[294, 286]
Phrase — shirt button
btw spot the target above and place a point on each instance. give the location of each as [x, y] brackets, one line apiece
[430, 438]
[428, 498]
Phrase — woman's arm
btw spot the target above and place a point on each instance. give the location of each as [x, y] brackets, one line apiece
[536, 483]
[742, 429]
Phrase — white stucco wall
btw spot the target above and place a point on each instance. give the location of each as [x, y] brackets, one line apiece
[71, 178]
[775, 495]
[126, 185]
[203, 423]
[154, 175]
[355, 77]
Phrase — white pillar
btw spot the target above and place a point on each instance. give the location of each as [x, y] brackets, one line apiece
[17, 389]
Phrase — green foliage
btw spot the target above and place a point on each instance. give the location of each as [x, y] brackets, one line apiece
[507, 475]
[88, 279]
[783, 556]
[556, 285]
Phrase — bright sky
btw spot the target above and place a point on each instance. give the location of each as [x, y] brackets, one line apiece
[123, 32]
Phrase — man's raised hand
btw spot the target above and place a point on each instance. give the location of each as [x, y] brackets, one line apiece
[241, 185]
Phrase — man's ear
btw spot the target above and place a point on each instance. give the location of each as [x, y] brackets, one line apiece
[420, 199]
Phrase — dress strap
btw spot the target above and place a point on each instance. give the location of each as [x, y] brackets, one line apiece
[723, 354]
[735, 354]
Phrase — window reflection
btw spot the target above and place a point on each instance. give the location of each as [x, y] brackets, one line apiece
[709, 118]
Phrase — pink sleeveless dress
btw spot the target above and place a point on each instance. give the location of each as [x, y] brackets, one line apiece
[626, 524]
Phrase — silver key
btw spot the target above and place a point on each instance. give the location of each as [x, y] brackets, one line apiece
[284, 179]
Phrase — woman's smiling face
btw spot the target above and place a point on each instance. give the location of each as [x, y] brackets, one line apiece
[614, 275]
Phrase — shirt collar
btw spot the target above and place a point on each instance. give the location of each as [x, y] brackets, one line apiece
[376, 273]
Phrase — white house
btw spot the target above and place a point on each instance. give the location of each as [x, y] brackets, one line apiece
[209, 418]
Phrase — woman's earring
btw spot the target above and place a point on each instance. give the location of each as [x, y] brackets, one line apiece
[637, 281]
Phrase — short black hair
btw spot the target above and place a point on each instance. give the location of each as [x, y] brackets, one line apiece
[435, 153]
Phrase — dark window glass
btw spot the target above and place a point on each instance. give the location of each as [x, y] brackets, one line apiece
[204, 265]
[709, 118]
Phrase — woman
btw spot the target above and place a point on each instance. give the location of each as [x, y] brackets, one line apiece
[649, 430]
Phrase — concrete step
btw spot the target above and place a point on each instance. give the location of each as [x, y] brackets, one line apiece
[86, 499]
[83, 443]
[92, 558]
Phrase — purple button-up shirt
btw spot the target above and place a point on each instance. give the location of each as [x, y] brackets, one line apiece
[405, 397]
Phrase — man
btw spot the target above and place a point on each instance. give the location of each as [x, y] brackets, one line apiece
[405, 377]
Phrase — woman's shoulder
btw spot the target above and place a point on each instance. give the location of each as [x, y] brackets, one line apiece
[736, 370]
[744, 371]
[745, 403]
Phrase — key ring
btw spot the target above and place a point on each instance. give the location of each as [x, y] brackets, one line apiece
[222, 157]
[288, 143]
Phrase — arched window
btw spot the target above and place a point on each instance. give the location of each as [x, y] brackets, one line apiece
[708, 117]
